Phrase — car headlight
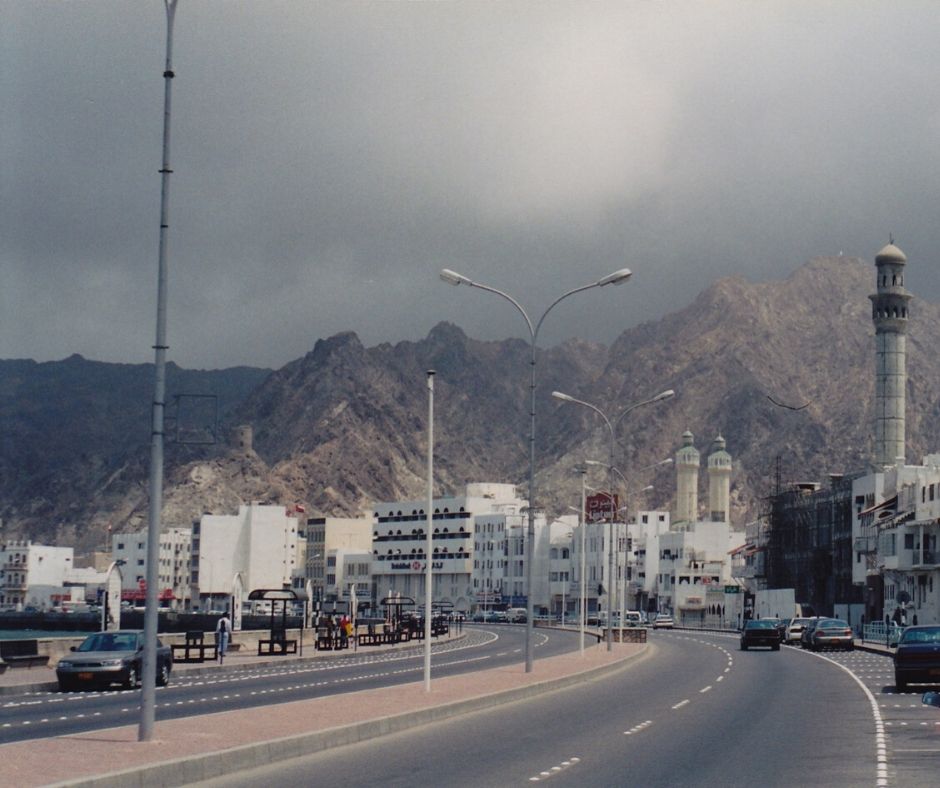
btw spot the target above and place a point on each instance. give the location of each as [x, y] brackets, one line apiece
[112, 663]
[64, 664]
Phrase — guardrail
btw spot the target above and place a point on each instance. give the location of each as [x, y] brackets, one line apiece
[877, 632]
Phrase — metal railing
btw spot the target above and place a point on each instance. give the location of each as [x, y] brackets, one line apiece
[877, 632]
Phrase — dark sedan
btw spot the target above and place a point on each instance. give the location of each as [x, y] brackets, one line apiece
[760, 632]
[107, 658]
[917, 658]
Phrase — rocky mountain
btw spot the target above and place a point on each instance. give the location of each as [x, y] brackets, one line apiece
[783, 370]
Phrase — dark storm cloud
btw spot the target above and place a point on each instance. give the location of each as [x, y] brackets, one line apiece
[330, 158]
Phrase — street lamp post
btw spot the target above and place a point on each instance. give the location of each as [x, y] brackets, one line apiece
[610, 428]
[453, 278]
[149, 662]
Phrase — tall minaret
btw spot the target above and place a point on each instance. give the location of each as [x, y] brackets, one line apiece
[687, 462]
[719, 482]
[889, 314]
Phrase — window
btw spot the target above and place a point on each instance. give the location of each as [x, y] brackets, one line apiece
[909, 538]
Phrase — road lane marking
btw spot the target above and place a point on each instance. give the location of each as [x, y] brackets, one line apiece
[681, 703]
[555, 770]
[706, 689]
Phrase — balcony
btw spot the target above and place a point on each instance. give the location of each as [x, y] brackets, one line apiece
[930, 560]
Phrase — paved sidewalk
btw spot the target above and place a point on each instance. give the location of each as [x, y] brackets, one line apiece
[194, 748]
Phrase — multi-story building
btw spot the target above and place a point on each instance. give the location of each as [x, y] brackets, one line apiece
[325, 537]
[897, 536]
[254, 549]
[478, 555]
[173, 570]
[33, 575]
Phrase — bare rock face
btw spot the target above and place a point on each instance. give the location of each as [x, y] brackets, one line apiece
[783, 370]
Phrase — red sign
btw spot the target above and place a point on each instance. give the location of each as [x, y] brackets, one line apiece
[599, 508]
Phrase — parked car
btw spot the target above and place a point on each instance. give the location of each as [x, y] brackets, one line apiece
[517, 615]
[807, 632]
[663, 622]
[107, 658]
[917, 658]
[760, 632]
[831, 633]
[795, 629]
[632, 618]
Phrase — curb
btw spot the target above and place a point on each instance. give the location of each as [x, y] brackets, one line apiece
[196, 768]
[212, 667]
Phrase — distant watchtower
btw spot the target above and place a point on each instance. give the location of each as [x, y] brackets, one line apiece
[889, 314]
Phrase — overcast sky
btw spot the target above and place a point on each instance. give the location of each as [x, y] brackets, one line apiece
[330, 158]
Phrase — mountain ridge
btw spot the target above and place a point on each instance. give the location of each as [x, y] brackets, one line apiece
[779, 369]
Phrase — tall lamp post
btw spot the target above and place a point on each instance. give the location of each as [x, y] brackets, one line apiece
[148, 676]
[610, 428]
[453, 278]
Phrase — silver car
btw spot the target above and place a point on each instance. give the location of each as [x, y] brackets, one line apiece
[107, 658]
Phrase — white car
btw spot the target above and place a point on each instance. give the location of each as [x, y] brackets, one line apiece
[663, 622]
[795, 629]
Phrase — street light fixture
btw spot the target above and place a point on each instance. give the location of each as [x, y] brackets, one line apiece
[453, 278]
[668, 393]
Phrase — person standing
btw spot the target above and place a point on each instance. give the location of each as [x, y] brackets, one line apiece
[223, 633]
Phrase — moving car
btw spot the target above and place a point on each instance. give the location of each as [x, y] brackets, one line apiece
[830, 633]
[760, 632]
[107, 658]
[917, 658]
[663, 622]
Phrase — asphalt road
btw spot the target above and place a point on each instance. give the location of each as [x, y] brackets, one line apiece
[45, 714]
[695, 711]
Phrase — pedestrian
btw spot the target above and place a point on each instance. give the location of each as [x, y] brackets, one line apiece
[914, 620]
[343, 632]
[223, 633]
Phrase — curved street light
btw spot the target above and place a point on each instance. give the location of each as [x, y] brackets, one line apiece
[453, 278]
[663, 395]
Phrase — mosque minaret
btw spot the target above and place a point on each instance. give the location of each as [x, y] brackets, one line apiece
[719, 482]
[889, 314]
[687, 464]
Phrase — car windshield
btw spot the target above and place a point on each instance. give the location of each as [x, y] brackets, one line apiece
[927, 635]
[833, 623]
[764, 623]
[110, 641]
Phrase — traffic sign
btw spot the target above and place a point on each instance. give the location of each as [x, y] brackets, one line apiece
[732, 589]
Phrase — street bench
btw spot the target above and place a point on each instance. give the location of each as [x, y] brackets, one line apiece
[278, 643]
[194, 649]
[22, 653]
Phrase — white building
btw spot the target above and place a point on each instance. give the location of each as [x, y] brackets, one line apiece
[33, 575]
[327, 536]
[259, 545]
[478, 555]
[173, 571]
[897, 538]
[695, 554]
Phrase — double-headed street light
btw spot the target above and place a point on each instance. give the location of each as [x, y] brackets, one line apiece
[453, 278]
[610, 427]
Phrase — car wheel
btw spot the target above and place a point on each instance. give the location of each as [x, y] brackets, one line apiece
[744, 647]
[163, 675]
[900, 685]
[850, 647]
[131, 681]
[776, 647]
[66, 685]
